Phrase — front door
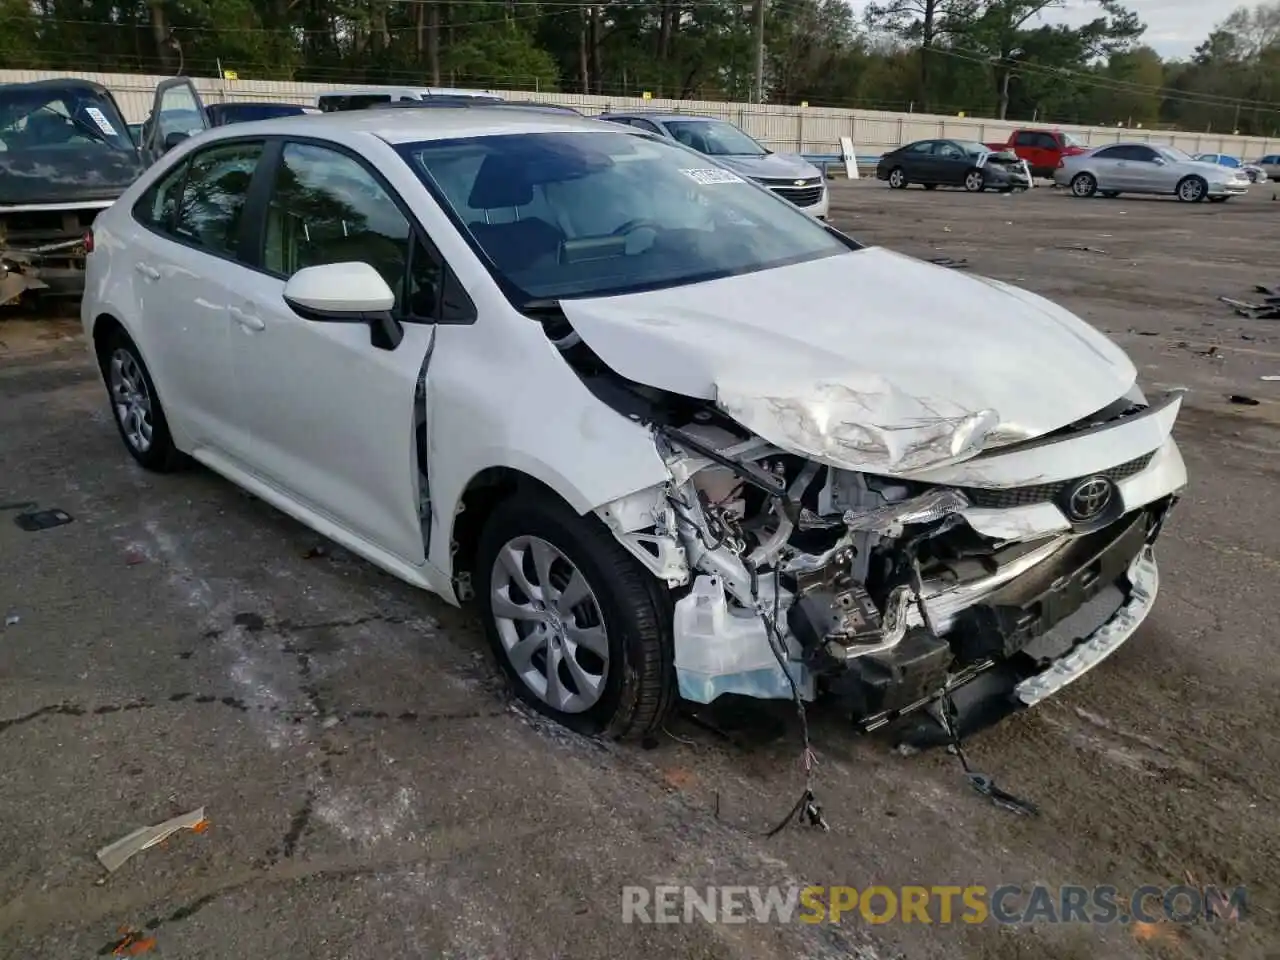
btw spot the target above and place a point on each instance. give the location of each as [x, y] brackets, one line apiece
[331, 418]
[177, 112]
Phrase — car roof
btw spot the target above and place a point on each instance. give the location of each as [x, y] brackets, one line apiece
[660, 115]
[58, 83]
[408, 126]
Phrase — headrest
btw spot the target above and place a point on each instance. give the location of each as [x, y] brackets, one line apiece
[500, 183]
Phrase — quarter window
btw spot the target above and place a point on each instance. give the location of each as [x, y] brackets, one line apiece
[157, 206]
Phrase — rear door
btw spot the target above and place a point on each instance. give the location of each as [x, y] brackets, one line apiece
[177, 112]
[919, 163]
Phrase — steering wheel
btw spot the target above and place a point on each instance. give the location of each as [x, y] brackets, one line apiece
[632, 225]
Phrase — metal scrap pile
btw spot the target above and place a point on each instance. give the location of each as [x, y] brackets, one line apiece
[1268, 309]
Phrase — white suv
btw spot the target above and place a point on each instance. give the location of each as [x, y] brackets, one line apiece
[672, 434]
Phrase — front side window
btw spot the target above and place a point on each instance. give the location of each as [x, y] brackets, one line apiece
[214, 194]
[1111, 153]
[326, 207]
[60, 118]
[949, 151]
[591, 214]
[716, 138]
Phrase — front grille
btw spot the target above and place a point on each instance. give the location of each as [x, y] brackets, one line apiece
[1007, 497]
[800, 196]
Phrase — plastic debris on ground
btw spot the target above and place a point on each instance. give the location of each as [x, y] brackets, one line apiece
[114, 855]
[1267, 309]
[12, 620]
[42, 520]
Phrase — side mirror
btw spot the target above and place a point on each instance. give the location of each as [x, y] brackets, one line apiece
[346, 293]
[171, 140]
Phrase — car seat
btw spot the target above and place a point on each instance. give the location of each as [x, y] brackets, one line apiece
[502, 183]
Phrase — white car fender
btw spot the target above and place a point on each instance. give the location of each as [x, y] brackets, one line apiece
[500, 395]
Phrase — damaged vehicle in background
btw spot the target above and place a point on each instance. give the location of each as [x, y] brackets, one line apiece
[65, 155]
[953, 163]
[673, 436]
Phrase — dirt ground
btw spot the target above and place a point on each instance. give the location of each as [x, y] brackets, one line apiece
[372, 792]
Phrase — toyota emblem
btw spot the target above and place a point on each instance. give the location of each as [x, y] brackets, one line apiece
[1089, 498]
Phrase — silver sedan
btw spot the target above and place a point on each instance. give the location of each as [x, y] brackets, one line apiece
[1148, 168]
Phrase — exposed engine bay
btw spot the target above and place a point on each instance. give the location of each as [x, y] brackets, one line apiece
[796, 578]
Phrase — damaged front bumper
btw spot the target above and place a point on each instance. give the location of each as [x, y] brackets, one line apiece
[985, 594]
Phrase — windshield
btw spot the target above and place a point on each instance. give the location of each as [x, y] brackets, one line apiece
[594, 214]
[1173, 153]
[1072, 141]
[71, 118]
[973, 148]
[715, 138]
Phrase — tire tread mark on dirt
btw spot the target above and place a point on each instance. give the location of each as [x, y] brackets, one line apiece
[298, 826]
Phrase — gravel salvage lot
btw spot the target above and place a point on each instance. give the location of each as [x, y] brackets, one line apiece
[372, 792]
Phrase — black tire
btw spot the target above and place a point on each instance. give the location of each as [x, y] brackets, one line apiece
[898, 178]
[929, 186]
[975, 181]
[1083, 185]
[160, 454]
[1191, 189]
[639, 681]
[1111, 194]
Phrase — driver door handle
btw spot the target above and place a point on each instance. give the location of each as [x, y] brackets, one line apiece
[246, 320]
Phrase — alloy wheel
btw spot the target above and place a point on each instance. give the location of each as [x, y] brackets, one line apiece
[550, 624]
[131, 399]
[973, 182]
[1190, 190]
[897, 179]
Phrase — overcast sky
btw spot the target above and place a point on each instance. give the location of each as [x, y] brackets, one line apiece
[1174, 27]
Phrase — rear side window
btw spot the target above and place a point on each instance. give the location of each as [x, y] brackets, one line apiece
[924, 146]
[214, 194]
[1111, 153]
[156, 207]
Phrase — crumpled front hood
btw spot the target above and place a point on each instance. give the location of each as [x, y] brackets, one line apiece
[66, 175]
[869, 361]
[773, 166]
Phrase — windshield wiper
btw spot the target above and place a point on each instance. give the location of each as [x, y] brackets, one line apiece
[84, 125]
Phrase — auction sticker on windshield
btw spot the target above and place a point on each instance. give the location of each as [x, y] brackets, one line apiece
[712, 175]
[103, 123]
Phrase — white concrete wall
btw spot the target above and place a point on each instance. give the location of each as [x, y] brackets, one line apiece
[815, 130]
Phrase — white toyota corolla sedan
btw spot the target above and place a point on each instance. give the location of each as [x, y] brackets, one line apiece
[672, 435]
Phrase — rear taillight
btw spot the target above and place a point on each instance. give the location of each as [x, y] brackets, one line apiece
[88, 242]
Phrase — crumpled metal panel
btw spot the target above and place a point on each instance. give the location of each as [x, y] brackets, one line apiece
[839, 424]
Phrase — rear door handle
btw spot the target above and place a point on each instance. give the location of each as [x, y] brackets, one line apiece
[151, 273]
[245, 319]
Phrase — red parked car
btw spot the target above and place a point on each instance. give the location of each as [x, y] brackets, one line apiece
[1042, 149]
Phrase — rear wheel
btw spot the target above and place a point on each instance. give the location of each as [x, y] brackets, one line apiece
[974, 181]
[581, 630]
[136, 407]
[898, 178]
[1083, 185]
[1192, 189]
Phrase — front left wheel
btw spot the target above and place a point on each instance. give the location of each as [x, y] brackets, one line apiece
[136, 407]
[580, 628]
